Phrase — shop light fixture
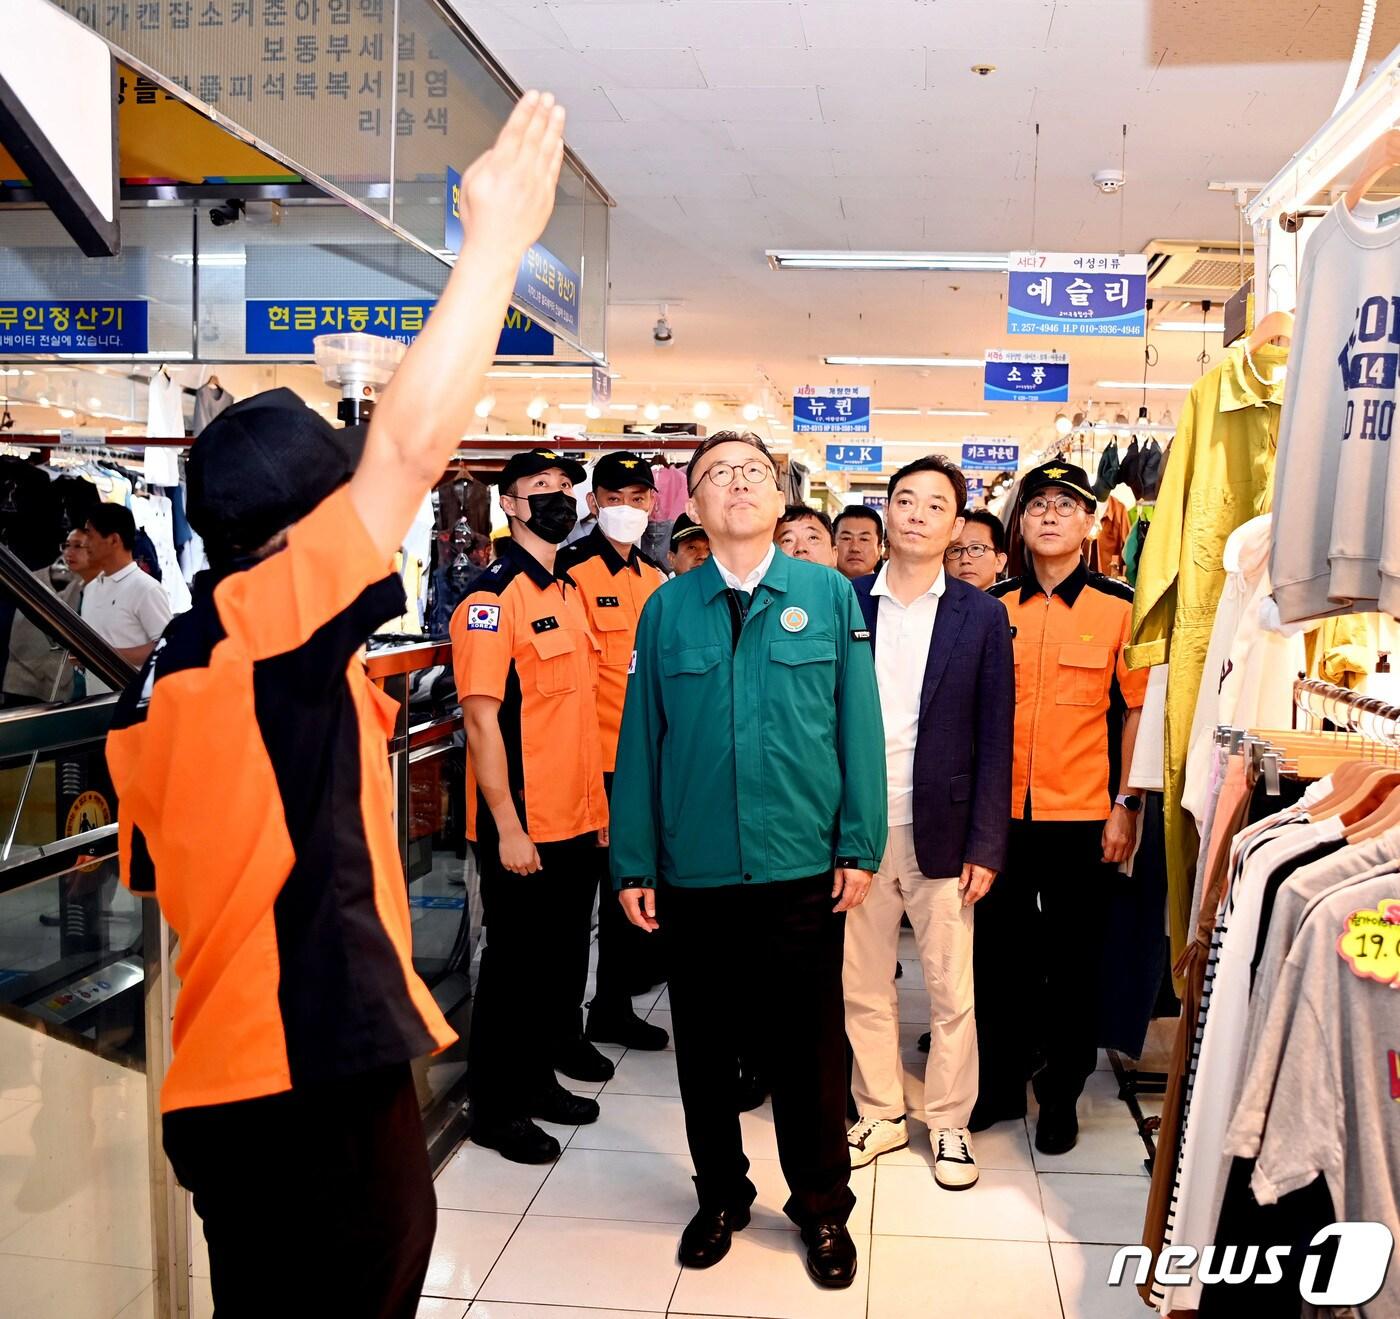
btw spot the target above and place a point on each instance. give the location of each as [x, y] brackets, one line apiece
[623, 407]
[1137, 384]
[896, 412]
[1063, 425]
[574, 407]
[750, 411]
[592, 411]
[536, 408]
[991, 262]
[701, 410]
[1191, 327]
[651, 412]
[483, 408]
[958, 412]
[904, 361]
[540, 375]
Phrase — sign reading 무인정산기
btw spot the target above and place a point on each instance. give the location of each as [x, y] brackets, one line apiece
[835, 409]
[1077, 293]
[548, 287]
[1011, 375]
[29, 325]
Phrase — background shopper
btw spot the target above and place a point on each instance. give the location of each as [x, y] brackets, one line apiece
[690, 546]
[127, 608]
[977, 555]
[860, 540]
[805, 533]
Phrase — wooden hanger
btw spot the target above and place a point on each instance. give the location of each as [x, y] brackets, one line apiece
[1383, 157]
[1276, 325]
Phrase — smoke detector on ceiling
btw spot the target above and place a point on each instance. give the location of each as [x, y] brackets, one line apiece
[1109, 181]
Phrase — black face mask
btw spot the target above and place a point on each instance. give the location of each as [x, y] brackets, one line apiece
[552, 515]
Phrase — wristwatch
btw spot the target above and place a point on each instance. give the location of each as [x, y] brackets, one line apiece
[1129, 802]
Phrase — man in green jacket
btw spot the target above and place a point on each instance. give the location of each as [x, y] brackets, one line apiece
[748, 813]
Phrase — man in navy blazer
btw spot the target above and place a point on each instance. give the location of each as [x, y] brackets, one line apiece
[948, 699]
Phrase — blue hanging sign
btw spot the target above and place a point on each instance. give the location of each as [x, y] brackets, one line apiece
[878, 502]
[854, 457]
[1029, 377]
[1084, 293]
[976, 488]
[453, 232]
[83, 326]
[282, 327]
[523, 337]
[837, 409]
[548, 287]
[990, 455]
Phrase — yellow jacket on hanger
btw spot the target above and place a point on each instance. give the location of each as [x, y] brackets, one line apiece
[1219, 475]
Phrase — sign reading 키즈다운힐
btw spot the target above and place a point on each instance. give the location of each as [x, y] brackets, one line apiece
[833, 409]
[33, 325]
[854, 457]
[990, 455]
[289, 326]
[1031, 377]
[1077, 293]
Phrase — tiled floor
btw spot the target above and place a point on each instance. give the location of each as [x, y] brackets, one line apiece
[594, 1235]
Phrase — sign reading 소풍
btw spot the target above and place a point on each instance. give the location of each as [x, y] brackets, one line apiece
[547, 286]
[1077, 293]
[1029, 377]
[835, 409]
[36, 326]
[854, 457]
[990, 455]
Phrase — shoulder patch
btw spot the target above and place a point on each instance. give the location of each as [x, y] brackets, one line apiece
[1004, 588]
[483, 618]
[1111, 586]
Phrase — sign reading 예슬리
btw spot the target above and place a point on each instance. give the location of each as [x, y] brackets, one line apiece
[1077, 293]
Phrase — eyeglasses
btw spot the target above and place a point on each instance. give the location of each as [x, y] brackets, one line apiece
[973, 552]
[755, 473]
[1063, 505]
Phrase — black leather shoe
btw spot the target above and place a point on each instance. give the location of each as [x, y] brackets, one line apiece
[986, 1115]
[518, 1140]
[708, 1236]
[564, 1107]
[831, 1254]
[752, 1091]
[627, 1029]
[926, 1041]
[1057, 1130]
[580, 1061]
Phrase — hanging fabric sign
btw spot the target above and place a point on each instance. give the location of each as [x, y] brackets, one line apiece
[1029, 377]
[1088, 293]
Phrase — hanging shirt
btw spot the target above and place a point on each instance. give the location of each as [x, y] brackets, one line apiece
[257, 806]
[165, 419]
[671, 493]
[1338, 548]
[154, 516]
[209, 401]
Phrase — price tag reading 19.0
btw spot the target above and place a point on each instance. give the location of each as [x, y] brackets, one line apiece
[1370, 944]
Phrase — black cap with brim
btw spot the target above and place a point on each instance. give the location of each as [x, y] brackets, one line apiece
[534, 461]
[262, 465]
[684, 529]
[1064, 475]
[616, 471]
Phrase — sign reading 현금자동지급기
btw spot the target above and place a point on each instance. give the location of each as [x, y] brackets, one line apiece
[854, 457]
[835, 409]
[1079, 293]
[1009, 375]
[289, 326]
[990, 455]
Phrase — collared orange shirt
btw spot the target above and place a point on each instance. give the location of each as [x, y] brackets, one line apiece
[257, 806]
[614, 590]
[522, 637]
[1069, 648]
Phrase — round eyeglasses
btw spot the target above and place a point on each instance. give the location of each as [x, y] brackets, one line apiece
[755, 473]
[1063, 505]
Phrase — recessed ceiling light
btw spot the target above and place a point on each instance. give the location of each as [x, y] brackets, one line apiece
[1063, 425]
[750, 411]
[483, 408]
[701, 410]
[651, 412]
[904, 361]
[990, 262]
[592, 411]
[536, 408]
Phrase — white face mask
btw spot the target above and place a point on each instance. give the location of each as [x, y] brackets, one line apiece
[622, 523]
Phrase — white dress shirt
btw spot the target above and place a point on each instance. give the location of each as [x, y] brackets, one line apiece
[902, 642]
[753, 579]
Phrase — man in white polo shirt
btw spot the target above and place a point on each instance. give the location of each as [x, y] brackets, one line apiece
[125, 607]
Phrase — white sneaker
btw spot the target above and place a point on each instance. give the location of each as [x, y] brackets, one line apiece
[953, 1164]
[874, 1136]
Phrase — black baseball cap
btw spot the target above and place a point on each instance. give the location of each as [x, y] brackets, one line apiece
[1057, 473]
[533, 461]
[683, 529]
[616, 471]
[263, 464]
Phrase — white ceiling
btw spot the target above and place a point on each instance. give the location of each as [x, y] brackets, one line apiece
[724, 127]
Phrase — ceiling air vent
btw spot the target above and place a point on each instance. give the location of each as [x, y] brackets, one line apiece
[1192, 271]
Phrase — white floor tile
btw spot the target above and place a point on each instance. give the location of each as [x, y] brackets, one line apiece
[649, 1124]
[913, 977]
[1094, 1209]
[1003, 1206]
[439, 1307]
[201, 1299]
[760, 1136]
[914, 1278]
[662, 1017]
[1108, 1138]
[35, 1288]
[1082, 1273]
[616, 1184]
[771, 1185]
[571, 1261]
[764, 1274]
[480, 1179]
[645, 1074]
[913, 1005]
[510, 1310]
[1006, 1146]
[663, 999]
[643, 1003]
[466, 1246]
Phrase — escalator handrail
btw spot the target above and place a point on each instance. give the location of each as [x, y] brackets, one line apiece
[45, 609]
[26, 729]
[58, 858]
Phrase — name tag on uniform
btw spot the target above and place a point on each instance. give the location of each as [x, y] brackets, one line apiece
[608, 602]
[861, 634]
[545, 624]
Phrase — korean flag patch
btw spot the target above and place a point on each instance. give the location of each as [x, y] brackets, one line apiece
[484, 618]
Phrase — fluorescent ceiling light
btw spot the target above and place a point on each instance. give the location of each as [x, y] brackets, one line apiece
[541, 375]
[1190, 327]
[211, 259]
[1136, 384]
[958, 412]
[991, 262]
[897, 412]
[904, 361]
[623, 407]
[573, 407]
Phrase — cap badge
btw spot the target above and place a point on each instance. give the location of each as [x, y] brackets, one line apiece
[627, 462]
[793, 620]
[1054, 473]
[546, 453]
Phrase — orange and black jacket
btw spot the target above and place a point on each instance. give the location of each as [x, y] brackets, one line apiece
[256, 806]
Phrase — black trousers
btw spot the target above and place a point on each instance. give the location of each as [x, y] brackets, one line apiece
[1036, 967]
[533, 970]
[762, 963]
[335, 1173]
[628, 958]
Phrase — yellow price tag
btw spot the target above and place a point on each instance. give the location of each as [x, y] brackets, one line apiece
[1370, 944]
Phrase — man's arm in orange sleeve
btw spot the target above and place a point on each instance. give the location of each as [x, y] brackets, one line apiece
[509, 195]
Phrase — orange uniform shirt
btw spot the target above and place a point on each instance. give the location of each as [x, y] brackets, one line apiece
[1069, 653]
[522, 637]
[256, 806]
[614, 590]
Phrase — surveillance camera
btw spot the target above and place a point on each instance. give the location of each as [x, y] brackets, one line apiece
[1109, 181]
[661, 332]
[229, 213]
[984, 70]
